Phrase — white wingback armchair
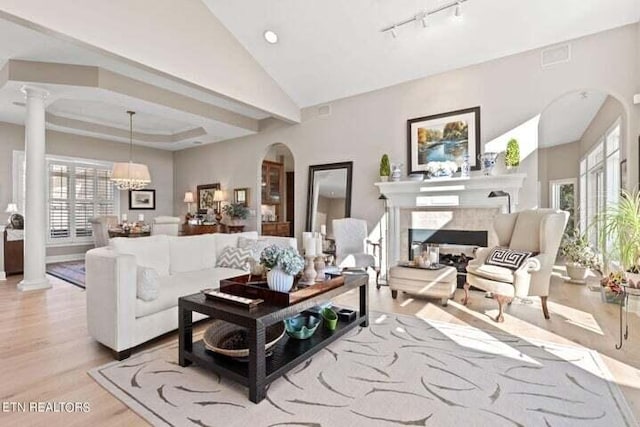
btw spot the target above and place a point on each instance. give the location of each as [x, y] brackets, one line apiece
[537, 230]
[169, 225]
[351, 243]
[100, 227]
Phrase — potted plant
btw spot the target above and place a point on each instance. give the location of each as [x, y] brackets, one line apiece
[385, 168]
[512, 155]
[237, 212]
[620, 226]
[283, 264]
[579, 256]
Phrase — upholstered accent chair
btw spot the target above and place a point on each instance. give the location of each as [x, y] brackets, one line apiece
[351, 243]
[100, 227]
[168, 225]
[536, 230]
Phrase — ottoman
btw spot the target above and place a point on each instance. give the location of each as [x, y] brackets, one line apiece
[420, 281]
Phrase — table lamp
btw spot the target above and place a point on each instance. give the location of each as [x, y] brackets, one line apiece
[188, 199]
[218, 198]
[11, 208]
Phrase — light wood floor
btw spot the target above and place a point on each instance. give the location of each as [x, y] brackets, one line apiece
[45, 350]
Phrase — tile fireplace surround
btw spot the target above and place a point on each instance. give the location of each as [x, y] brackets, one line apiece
[451, 204]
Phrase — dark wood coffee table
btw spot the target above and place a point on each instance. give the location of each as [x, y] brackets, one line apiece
[288, 353]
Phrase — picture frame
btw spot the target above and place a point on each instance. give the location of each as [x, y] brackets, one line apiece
[205, 195]
[426, 139]
[142, 200]
[241, 196]
[623, 175]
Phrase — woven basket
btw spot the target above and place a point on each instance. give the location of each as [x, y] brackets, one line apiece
[220, 331]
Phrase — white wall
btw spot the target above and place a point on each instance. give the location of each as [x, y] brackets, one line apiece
[557, 162]
[510, 91]
[160, 166]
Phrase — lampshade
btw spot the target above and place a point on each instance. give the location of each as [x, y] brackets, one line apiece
[188, 197]
[11, 208]
[130, 176]
[218, 196]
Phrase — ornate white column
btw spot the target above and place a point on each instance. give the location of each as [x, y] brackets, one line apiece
[35, 219]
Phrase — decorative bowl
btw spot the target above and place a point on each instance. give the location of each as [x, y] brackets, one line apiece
[416, 177]
[302, 326]
[231, 340]
[330, 319]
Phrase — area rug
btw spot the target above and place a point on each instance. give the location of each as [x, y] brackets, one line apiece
[399, 371]
[71, 271]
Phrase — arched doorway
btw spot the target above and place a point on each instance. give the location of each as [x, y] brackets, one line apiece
[277, 192]
[581, 158]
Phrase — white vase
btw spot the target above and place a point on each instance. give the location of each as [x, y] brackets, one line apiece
[279, 281]
[577, 273]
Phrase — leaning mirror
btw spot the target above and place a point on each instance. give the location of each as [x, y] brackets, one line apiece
[329, 195]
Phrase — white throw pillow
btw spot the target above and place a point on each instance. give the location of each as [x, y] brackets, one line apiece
[256, 246]
[234, 258]
[147, 284]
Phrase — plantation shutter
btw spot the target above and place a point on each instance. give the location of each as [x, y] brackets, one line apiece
[85, 189]
[59, 203]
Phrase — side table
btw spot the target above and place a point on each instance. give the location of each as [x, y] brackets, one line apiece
[627, 291]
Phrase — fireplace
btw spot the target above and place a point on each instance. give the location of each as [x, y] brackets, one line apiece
[456, 246]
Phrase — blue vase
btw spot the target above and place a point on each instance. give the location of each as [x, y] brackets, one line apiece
[279, 281]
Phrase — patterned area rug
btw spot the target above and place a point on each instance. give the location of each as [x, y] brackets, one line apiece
[72, 272]
[399, 371]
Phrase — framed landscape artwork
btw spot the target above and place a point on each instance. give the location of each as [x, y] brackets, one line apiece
[205, 196]
[241, 195]
[444, 137]
[142, 199]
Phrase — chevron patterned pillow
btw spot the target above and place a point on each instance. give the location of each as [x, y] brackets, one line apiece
[507, 258]
[234, 258]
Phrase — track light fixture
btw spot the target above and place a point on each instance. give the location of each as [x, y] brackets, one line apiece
[423, 17]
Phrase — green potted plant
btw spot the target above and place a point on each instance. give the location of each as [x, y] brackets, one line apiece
[385, 168]
[512, 155]
[237, 212]
[620, 231]
[579, 256]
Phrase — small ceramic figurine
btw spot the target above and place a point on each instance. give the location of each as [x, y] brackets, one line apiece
[396, 172]
[465, 167]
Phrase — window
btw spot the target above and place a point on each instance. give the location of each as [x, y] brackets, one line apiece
[77, 190]
[563, 196]
[599, 181]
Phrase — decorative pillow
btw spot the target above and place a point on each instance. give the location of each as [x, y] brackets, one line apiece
[234, 258]
[507, 258]
[147, 284]
[256, 246]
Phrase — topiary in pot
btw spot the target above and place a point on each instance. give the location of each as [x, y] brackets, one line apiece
[385, 168]
[512, 155]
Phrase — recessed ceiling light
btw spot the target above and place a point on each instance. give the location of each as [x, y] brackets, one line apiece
[271, 37]
[197, 142]
[19, 104]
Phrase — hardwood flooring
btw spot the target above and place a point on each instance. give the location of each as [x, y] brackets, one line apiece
[45, 350]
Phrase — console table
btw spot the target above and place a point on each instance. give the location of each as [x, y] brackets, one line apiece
[287, 353]
[13, 242]
[192, 230]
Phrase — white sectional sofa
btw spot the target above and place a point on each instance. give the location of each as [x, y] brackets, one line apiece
[121, 320]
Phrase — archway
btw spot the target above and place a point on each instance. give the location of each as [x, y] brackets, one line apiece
[276, 195]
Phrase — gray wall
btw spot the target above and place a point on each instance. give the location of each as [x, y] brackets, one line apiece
[610, 111]
[557, 162]
[160, 164]
[510, 91]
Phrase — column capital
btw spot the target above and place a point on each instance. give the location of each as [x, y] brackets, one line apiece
[34, 92]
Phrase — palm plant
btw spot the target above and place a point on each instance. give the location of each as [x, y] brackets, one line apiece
[620, 224]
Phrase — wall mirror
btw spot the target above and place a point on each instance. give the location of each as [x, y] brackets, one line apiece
[329, 195]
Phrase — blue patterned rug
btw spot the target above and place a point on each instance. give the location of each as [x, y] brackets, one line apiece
[399, 371]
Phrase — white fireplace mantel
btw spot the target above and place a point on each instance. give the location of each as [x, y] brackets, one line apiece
[462, 193]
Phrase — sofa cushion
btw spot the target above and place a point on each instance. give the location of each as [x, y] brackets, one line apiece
[256, 246]
[147, 284]
[180, 284]
[192, 253]
[507, 258]
[235, 258]
[491, 272]
[223, 240]
[526, 232]
[152, 251]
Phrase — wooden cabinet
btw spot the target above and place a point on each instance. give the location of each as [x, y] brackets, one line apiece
[192, 230]
[272, 183]
[276, 229]
[13, 255]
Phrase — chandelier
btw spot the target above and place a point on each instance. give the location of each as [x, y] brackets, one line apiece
[130, 176]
